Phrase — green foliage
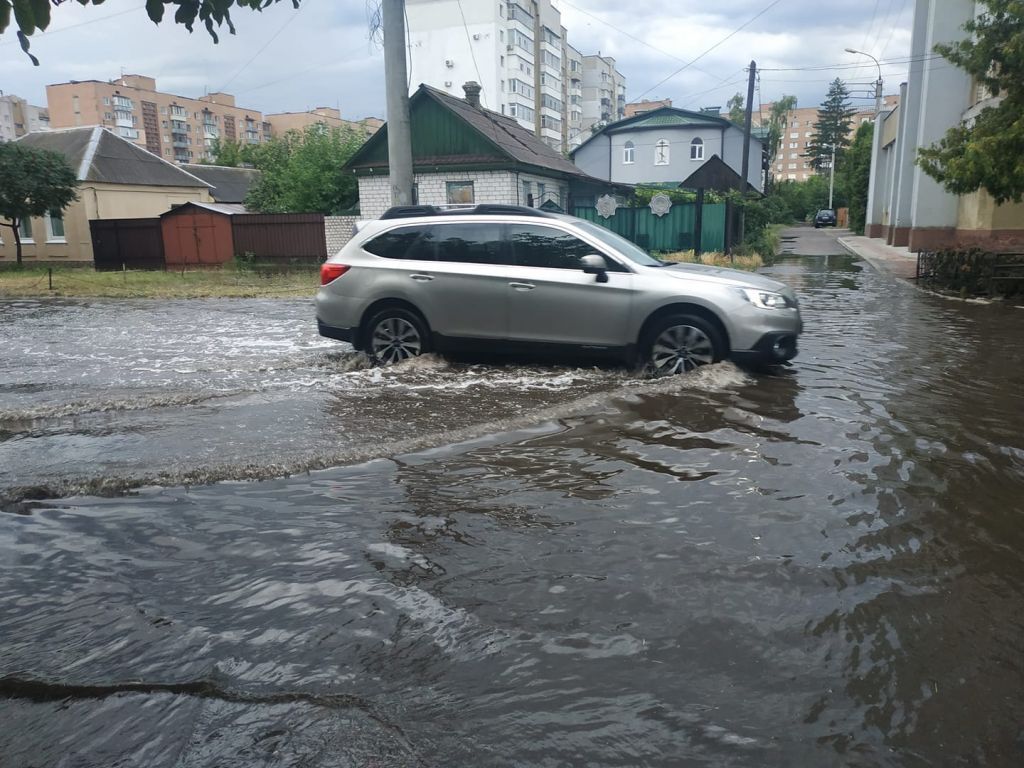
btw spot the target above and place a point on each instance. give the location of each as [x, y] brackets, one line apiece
[737, 114]
[802, 199]
[832, 128]
[34, 15]
[230, 153]
[777, 121]
[985, 153]
[854, 176]
[301, 172]
[33, 182]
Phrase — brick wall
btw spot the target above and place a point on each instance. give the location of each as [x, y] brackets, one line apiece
[488, 187]
[338, 230]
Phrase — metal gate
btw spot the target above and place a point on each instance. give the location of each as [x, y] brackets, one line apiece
[672, 232]
[127, 244]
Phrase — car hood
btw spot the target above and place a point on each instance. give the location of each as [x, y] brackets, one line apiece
[733, 277]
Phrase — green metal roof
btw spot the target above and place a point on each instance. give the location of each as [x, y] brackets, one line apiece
[677, 119]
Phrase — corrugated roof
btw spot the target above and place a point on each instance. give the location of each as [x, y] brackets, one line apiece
[228, 209]
[99, 155]
[230, 185]
[681, 119]
[511, 138]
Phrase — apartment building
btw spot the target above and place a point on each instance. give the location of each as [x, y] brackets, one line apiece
[18, 117]
[518, 52]
[176, 128]
[791, 163]
[639, 107]
[604, 94]
[282, 122]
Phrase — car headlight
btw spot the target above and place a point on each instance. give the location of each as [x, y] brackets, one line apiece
[764, 299]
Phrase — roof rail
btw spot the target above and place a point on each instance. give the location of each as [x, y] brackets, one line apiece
[484, 209]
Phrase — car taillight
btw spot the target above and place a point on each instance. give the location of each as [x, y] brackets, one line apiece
[331, 272]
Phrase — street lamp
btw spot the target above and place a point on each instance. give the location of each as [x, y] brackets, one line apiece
[878, 82]
[873, 210]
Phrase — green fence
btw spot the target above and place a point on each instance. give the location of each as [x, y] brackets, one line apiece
[672, 232]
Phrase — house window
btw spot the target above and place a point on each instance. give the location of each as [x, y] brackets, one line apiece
[697, 149]
[25, 230]
[460, 192]
[629, 153]
[527, 194]
[661, 152]
[55, 227]
[795, 135]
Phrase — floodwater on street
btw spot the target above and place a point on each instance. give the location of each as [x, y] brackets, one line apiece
[226, 541]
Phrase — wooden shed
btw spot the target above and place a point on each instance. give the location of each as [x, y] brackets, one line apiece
[199, 234]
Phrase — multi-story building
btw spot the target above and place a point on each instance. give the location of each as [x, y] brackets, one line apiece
[174, 127]
[517, 51]
[639, 107]
[18, 117]
[604, 94]
[791, 162]
[282, 122]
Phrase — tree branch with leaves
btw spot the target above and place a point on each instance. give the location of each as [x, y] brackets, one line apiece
[986, 151]
[31, 16]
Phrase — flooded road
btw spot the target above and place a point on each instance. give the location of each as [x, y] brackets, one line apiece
[517, 565]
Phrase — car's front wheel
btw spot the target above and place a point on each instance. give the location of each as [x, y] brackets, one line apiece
[396, 334]
[681, 343]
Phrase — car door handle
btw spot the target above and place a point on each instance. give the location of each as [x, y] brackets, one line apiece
[523, 286]
[422, 278]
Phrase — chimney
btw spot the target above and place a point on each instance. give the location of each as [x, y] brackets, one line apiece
[472, 89]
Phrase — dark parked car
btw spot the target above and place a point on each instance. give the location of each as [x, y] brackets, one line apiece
[825, 218]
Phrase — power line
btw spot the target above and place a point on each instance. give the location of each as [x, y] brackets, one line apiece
[45, 34]
[640, 40]
[713, 47]
[829, 67]
[469, 42]
[264, 47]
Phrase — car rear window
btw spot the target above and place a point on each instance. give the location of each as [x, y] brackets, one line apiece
[401, 243]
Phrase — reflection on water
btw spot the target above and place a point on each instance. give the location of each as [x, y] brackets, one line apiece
[819, 567]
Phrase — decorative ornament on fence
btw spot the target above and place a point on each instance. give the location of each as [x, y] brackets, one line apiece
[606, 206]
[660, 204]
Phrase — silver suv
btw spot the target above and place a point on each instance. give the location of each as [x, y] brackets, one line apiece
[508, 278]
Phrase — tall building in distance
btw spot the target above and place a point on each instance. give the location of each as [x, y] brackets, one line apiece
[176, 128]
[18, 117]
[518, 52]
[792, 163]
[282, 122]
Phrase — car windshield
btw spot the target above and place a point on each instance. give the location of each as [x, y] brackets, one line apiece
[631, 251]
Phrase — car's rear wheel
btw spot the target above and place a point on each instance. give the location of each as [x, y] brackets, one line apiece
[396, 334]
[681, 343]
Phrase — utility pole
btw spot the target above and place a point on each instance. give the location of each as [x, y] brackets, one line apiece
[396, 82]
[747, 120]
[832, 175]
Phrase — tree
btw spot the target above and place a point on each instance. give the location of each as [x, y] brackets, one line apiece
[34, 15]
[777, 122]
[231, 153]
[855, 174]
[301, 172]
[33, 182]
[832, 128]
[985, 153]
[736, 112]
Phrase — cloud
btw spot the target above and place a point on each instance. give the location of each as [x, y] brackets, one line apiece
[286, 60]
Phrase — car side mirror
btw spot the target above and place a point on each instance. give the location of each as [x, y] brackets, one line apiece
[595, 265]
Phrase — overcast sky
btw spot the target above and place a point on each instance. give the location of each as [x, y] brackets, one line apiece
[283, 60]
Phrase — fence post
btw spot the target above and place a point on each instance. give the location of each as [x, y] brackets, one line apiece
[49, 274]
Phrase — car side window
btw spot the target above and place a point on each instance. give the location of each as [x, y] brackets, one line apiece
[536, 246]
[467, 243]
[400, 243]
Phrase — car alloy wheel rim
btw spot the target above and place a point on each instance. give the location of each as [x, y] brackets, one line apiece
[681, 348]
[395, 339]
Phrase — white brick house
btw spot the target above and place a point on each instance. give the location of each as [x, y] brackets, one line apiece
[465, 154]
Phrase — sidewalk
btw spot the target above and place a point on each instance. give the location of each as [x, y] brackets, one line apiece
[898, 262]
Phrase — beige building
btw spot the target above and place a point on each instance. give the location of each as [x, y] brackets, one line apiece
[176, 128]
[282, 122]
[791, 163]
[639, 107]
[18, 117]
[604, 95]
[117, 180]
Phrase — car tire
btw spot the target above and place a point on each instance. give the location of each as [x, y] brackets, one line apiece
[394, 335]
[679, 344]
